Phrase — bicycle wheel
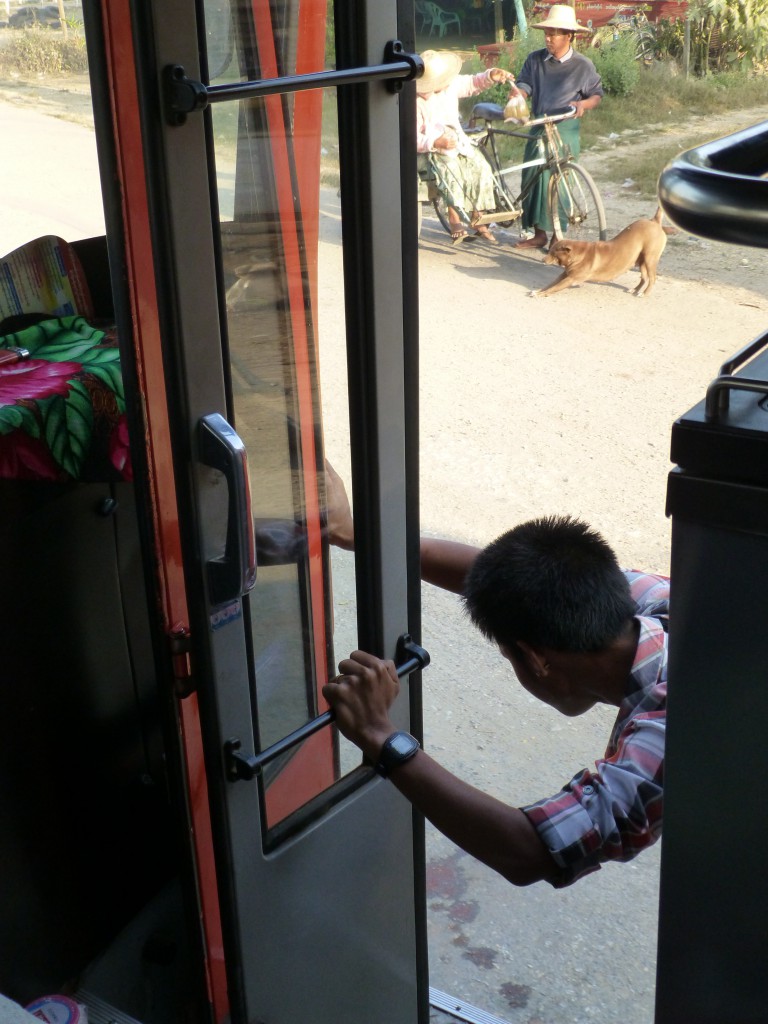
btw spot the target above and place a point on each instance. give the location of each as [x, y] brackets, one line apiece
[441, 209]
[645, 48]
[575, 205]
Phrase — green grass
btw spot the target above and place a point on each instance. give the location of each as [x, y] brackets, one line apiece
[663, 97]
[663, 102]
[644, 167]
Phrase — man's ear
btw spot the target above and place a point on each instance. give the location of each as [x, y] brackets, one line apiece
[536, 659]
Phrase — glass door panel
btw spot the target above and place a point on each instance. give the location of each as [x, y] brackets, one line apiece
[280, 229]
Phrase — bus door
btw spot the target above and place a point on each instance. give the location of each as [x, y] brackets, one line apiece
[257, 173]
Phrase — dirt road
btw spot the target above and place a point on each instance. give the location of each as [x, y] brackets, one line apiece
[567, 402]
[533, 406]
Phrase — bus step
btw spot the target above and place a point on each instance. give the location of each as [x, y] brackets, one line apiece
[457, 1009]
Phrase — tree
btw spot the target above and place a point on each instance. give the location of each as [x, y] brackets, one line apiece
[728, 33]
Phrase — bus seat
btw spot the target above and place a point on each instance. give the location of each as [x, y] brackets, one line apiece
[81, 737]
[94, 262]
[44, 276]
[84, 820]
[64, 420]
[62, 413]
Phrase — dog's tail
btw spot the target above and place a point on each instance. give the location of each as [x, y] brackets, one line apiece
[659, 217]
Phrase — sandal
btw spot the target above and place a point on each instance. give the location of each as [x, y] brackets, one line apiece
[458, 235]
[487, 234]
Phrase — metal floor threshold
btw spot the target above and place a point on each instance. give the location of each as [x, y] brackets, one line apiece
[460, 1010]
[100, 1012]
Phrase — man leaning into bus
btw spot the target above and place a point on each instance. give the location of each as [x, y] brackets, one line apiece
[578, 631]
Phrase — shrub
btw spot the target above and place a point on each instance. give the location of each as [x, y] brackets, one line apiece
[617, 65]
[728, 34]
[38, 51]
[498, 93]
[669, 37]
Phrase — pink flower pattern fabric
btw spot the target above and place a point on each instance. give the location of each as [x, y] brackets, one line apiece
[62, 410]
[33, 379]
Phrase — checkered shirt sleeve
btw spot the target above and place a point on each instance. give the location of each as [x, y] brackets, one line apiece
[615, 811]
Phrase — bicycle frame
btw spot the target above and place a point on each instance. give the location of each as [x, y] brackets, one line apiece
[567, 189]
[554, 155]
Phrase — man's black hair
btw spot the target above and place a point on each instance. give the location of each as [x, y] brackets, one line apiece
[551, 582]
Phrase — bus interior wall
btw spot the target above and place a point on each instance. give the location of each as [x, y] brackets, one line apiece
[91, 894]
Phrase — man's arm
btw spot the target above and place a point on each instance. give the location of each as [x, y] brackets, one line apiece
[491, 831]
[496, 834]
[588, 104]
[444, 563]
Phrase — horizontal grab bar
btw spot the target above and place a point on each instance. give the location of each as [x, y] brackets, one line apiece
[243, 766]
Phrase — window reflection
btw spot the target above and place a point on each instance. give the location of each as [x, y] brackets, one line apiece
[277, 178]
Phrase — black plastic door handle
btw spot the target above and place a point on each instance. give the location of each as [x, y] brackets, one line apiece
[234, 573]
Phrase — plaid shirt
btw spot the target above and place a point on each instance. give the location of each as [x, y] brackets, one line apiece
[615, 812]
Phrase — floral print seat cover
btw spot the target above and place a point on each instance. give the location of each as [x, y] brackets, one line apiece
[62, 407]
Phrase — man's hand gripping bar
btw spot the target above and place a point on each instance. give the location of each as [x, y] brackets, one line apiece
[410, 658]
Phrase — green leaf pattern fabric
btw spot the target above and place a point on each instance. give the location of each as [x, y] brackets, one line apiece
[62, 410]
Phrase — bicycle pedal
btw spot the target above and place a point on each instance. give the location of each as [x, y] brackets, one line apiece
[498, 217]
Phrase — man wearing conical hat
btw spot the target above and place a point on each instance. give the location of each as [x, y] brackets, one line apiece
[465, 178]
[554, 77]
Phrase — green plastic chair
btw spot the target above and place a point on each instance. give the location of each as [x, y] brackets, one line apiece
[424, 14]
[441, 19]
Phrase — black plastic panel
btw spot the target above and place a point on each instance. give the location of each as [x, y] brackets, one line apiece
[734, 444]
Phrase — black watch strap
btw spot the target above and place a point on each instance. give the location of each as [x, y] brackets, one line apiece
[398, 748]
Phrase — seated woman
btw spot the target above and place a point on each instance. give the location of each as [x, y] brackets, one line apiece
[466, 180]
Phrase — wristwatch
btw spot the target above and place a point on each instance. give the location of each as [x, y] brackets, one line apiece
[398, 748]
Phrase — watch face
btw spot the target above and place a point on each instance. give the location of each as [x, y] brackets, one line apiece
[401, 743]
[399, 747]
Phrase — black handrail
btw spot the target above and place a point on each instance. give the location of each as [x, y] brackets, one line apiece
[184, 95]
[719, 190]
[718, 392]
[244, 766]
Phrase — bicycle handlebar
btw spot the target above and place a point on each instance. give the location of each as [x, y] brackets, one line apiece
[493, 112]
[553, 118]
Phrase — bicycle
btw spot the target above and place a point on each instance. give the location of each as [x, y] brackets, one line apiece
[629, 19]
[573, 199]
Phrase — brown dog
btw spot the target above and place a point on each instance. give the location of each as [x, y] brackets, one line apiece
[638, 245]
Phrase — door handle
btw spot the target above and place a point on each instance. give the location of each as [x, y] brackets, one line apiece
[411, 658]
[234, 573]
